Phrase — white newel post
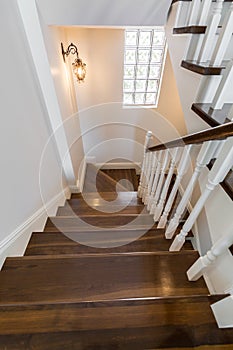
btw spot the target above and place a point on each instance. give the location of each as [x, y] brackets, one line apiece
[217, 174]
[200, 266]
[204, 156]
[223, 309]
[209, 38]
[175, 155]
[151, 179]
[161, 181]
[223, 39]
[156, 179]
[194, 12]
[147, 140]
[181, 170]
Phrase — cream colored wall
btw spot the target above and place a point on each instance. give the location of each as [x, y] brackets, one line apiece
[99, 99]
[169, 102]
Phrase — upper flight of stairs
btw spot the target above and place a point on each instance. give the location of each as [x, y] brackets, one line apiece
[131, 294]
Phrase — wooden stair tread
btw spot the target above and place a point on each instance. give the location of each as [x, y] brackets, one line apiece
[148, 324]
[202, 68]
[190, 30]
[109, 277]
[124, 174]
[69, 209]
[58, 243]
[213, 117]
[99, 222]
[98, 181]
[100, 198]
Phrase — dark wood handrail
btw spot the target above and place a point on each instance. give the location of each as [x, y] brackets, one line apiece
[218, 133]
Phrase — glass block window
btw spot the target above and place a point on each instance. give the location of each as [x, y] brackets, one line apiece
[144, 58]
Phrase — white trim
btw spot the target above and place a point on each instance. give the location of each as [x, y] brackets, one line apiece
[81, 180]
[15, 243]
[74, 188]
[121, 165]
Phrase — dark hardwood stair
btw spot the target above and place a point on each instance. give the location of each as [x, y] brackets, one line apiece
[132, 295]
[190, 30]
[57, 244]
[202, 68]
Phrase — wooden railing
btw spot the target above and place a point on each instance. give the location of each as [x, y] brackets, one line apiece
[163, 162]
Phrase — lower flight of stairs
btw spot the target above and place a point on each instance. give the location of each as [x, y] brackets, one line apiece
[100, 277]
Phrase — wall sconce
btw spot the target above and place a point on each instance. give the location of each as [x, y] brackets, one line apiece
[79, 67]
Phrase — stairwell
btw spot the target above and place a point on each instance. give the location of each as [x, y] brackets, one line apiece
[100, 276]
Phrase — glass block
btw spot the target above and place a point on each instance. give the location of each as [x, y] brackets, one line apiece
[128, 99]
[141, 85]
[131, 38]
[154, 72]
[142, 72]
[159, 38]
[143, 56]
[129, 72]
[139, 98]
[145, 38]
[152, 85]
[130, 56]
[150, 98]
[156, 56]
[128, 85]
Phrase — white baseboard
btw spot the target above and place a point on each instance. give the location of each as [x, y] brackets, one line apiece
[121, 165]
[16, 243]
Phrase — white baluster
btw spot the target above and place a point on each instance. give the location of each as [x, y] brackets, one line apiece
[230, 114]
[156, 179]
[145, 175]
[199, 267]
[153, 169]
[217, 174]
[194, 12]
[223, 39]
[175, 155]
[224, 87]
[209, 38]
[204, 12]
[147, 140]
[148, 173]
[206, 153]
[181, 170]
[161, 181]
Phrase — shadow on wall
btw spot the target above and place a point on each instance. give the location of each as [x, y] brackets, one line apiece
[110, 131]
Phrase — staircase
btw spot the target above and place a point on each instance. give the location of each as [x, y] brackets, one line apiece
[100, 276]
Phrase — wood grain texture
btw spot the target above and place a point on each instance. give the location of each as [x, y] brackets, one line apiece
[148, 324]
[109, 277]
[122, 175]
[97, 180]
[58, 243]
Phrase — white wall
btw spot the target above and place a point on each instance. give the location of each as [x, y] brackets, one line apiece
[104, 12]
[24, 133]
[64, 86]
[102, 117]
